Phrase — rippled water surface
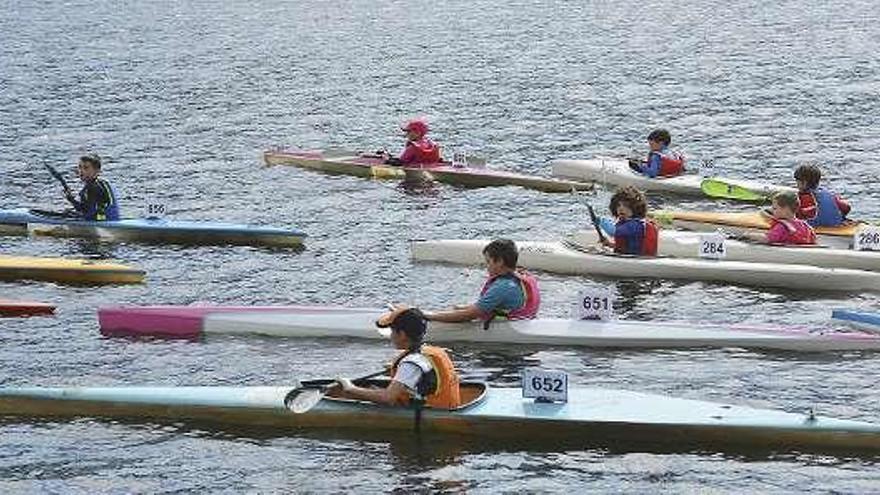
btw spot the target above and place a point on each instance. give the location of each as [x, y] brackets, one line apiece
[181, 99]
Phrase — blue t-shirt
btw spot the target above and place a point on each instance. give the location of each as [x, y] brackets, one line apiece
[504, 294]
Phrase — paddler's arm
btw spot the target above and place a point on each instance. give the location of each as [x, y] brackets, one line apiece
[395, 394]
[458, 315]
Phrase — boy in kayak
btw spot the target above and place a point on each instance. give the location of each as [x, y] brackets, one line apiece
[661, 162]
[422, 372]
[418, 148]
[97, 199]
[508, 292]
[633, 232]
[785, 227]
[818, 206]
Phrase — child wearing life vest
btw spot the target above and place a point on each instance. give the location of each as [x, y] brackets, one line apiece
[418, 148]
[818, 206]
[97, 199]
[509, 292]
[785, 227]
[421, 372]
[633, 233]
[662, 161]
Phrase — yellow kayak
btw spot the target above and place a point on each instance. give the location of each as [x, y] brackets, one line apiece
[72, 271]
[755, 220]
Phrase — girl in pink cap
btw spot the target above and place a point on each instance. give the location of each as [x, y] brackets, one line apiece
[419, 150]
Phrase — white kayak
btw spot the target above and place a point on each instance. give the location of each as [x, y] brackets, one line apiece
[568, 259]
[341, 322]
[617, 172]
[679, 244]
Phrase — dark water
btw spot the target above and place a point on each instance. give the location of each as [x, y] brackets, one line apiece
[182, 98]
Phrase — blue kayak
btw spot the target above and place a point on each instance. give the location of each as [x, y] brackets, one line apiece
[22, 221]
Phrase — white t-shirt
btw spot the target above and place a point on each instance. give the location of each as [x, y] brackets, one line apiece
[410, 371]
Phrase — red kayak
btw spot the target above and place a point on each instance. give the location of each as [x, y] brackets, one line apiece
[25, 308]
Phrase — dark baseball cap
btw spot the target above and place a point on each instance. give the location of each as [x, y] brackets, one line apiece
[410, 321]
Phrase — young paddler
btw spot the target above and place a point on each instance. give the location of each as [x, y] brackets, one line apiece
[661, 161]
[818, 206]
[97, 199]
[421, 372]
[509, 292]
[633, 233]
[418, 149]
[785, 227]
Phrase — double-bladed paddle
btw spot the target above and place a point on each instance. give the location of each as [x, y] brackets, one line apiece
[60, 178]
[302, 399]
[595, 221]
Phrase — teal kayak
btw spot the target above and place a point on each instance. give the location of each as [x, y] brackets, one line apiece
[154, 230]
[590, 415]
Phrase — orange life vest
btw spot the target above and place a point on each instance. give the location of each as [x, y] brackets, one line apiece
[442, 389]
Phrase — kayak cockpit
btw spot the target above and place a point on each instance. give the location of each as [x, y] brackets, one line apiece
[472, 392]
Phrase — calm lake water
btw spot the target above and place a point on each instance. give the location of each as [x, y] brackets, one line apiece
[181, 99]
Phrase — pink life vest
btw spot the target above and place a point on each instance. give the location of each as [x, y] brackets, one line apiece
[531, 296]
[799, 231]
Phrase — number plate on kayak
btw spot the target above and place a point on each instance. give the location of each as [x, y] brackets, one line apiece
[155, 209]
[867, 238]
[712, 247]
[594, 304]
[545, 385]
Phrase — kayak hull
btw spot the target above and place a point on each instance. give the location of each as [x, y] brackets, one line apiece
[751, 221]
[25, 308]
[557, 257]
[23, 221]
[502, 413]
[69, 271]
[861, 320]
[350, 163]
[679, 244]
[359, 323]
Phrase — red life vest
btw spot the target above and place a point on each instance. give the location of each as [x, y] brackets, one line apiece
[531, 295]
[671, 163]
[799, 231]
[423, 151]
[650, 240]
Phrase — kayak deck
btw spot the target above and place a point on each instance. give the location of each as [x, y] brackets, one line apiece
[71, 271]
[321, 322]
[352, 163]
[590, 414]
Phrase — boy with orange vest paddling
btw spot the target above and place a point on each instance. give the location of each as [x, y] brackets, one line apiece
[418, 149]
[633, 232]
[661, 162]
[508, 292]
[818, 206]
[421, 373]
[785, 227]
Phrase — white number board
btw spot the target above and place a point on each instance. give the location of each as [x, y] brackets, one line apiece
[595, 304]
[545, 385]
[459, 159]
[155, 209]
[712, 246]
[867, 238]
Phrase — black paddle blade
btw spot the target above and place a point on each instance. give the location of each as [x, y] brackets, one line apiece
[57, 175]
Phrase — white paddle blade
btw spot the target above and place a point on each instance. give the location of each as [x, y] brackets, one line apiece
[305, 400]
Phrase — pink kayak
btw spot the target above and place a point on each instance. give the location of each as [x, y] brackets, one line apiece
[360, 165]
[339, 322]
